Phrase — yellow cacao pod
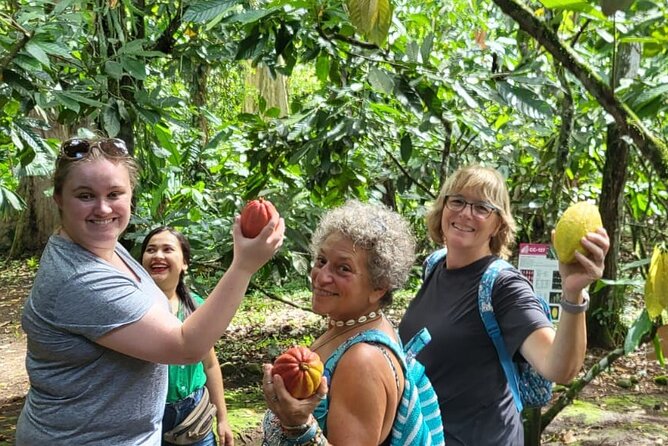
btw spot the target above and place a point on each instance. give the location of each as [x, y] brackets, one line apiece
[579, 219]
[656, 285]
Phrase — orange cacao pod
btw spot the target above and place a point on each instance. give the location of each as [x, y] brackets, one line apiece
[255, 216]
[301, 370]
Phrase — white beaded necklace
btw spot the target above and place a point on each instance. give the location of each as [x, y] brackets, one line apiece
[360, 320]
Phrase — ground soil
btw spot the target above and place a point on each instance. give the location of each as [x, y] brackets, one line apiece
[623, 406]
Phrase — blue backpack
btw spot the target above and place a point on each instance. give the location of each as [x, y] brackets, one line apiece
[528, 387]
[418, 421]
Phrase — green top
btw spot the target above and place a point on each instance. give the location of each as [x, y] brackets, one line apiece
[185, 379]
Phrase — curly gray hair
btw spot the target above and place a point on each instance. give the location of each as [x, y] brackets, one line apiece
[383, 233]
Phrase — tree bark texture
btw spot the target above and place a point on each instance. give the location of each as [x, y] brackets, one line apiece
[260, 83]
[605, 328]
[37, 221]
[649, 145]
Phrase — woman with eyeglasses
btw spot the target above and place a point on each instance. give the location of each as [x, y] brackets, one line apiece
[471, 218]
[99, 329]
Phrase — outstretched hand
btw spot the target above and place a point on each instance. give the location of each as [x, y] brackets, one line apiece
[588, 268]
[289, 410]
[251, 254]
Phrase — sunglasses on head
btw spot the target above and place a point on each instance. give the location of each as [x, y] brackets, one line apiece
[77, 148]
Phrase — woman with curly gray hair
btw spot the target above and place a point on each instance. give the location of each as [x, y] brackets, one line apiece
[362, 253]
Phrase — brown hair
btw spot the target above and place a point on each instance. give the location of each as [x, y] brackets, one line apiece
[492, 186]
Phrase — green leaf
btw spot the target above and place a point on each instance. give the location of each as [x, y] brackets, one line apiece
[82, 99]
[113, 69]
[66, 101]
[524, 101]
[371, 18]
[322, 68]
[574, 5]
[202, 12]
[54, 49]
[112, 124]
[359, 14]
[406, 147]
[381, 25]
[563, 4]
[380, 80]
[11, 200]
[38, 53]
[425, 48]
[134, 67]
[61, 6]
[649, 95]
[166, 140]
[641, 326]
[461, 91]
[251, 16]
[27, 63]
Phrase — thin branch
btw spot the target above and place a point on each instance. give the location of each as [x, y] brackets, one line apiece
[576, 386]
[20, 44]
[408, 175]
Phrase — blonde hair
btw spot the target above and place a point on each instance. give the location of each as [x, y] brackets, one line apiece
[491, 185]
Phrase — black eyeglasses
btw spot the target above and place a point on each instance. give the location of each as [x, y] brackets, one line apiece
[479, 209]
[77, 148]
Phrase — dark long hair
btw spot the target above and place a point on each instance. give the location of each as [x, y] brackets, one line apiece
[182, 291]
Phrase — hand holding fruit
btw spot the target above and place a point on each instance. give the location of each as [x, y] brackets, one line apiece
[581, 243]
[255, 216]
[294, 385]
[250, 253]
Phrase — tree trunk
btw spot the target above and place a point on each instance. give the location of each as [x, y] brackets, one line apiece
[37, 222]
[605, 328]
[260, 84]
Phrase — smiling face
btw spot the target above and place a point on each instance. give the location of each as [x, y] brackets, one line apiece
[163, 259]
[95, 204]
[340, 280]
[468, 235]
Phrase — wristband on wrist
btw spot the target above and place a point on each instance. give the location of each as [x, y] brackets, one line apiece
[572, 308]
[297, 429]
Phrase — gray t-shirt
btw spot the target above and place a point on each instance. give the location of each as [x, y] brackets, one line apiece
[80, 392]
[461, 361]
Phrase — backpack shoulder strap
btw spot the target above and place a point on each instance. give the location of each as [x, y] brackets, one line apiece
[372, 336]
[492, 326]
[431, 261]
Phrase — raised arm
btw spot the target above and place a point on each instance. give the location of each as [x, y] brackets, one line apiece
[559, 356]
[160, 337]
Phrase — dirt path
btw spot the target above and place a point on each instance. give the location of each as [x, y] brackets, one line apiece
[13, 378]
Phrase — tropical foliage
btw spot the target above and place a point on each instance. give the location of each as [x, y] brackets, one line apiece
[386, 99]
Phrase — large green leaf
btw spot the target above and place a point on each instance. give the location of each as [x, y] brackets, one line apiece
[202, 12]
[10, 201]
[66, 101]
[112, 123]
[641, 326]
[371, 18]
[38, 53]
[381, 80]
[523, 100]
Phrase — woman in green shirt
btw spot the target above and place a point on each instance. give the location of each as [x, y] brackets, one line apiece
[165, 254]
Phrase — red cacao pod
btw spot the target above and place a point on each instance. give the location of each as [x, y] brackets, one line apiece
[301, 370]
[255, 216]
